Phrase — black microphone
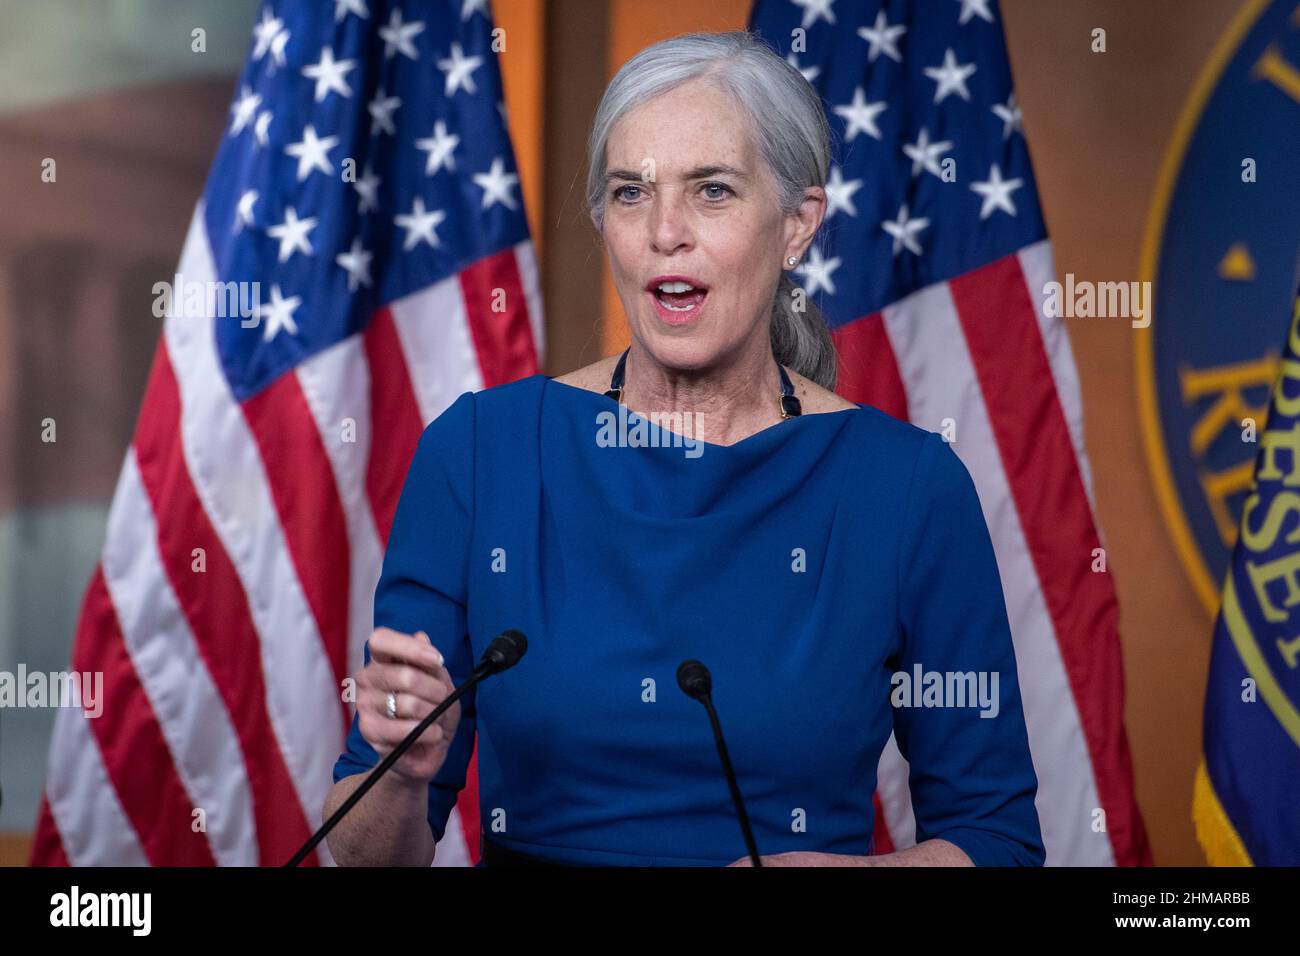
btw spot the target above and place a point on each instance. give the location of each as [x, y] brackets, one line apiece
[502, 653]
[695, 681]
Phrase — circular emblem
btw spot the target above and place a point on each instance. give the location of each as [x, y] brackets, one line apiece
[1221, 253]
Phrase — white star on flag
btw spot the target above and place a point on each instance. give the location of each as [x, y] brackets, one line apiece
[925, 154]
[278, 314]
[809, 74]
[817, 272]
[440, 147]
[951, 77]
[973, 8]
[244, 109]
[839, 193]
[245, 208]
[1010, 115]
[861, 116]
[459, 69]
[882, 38]
[398, 36]
[905, 231]
[292, 234]
[311, 152]
[278, 43]
[496, 184]
[281, 209]
[367, 188]
[261, 127]
[997, 193]
[265, 32]
[356, 262]
[381, 112]
[343, 7]
[813, 10]
[328, 74]
[420, 225]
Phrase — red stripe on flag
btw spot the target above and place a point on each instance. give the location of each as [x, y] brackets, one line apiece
[47, 847]
[467, 806]
[1000, 324]
[503, 337]
[869, 374]
[395, 420]
[396, 433]
[136, 756]
[868, 370]
[217, 611]
[310, 510]
[881, 842]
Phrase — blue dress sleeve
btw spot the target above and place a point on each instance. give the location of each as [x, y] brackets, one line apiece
[422, 586]
[971, 775]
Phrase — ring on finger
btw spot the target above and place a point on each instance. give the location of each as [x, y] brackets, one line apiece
[390, 705]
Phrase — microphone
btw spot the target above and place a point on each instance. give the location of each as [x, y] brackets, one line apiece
[502, 653]
[696, 682]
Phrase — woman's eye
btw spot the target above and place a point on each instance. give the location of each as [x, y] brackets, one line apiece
[723, 190]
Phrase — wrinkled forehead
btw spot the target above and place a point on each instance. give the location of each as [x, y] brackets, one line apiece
[693, 127]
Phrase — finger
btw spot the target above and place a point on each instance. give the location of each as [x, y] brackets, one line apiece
[384, 734]
[411, 681]
[372, 700]
[406, 706]
[389, 647]
[380, 644]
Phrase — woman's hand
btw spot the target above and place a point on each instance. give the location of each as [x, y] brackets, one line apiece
[933, 852]
[411, 668]
[799, 859]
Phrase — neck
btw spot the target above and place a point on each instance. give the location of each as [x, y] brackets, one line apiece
[736, 396]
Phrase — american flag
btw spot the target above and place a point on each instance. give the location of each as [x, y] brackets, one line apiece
[367, 184]
[932, 278]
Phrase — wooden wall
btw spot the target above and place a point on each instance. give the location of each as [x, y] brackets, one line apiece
[1097, 127]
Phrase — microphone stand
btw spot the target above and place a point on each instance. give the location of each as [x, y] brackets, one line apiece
[695, 681]
[732, 785]
[496, 658]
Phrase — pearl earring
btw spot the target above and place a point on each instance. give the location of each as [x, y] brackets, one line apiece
[791, 261]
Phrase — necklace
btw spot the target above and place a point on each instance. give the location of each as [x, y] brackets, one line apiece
[789, 403]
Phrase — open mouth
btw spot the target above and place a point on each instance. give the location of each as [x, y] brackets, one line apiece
[678, 300]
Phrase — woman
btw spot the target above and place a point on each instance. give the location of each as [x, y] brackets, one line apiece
[808, 550]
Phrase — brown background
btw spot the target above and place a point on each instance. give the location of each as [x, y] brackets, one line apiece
[1097, 125]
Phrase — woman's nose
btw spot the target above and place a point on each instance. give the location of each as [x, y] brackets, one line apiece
[670, 230]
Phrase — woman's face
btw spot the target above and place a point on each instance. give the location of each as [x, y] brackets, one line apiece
[687, 194]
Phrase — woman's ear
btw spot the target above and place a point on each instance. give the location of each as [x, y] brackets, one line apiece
[805, 221]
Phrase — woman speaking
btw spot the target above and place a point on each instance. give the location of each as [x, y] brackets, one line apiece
[704, 495]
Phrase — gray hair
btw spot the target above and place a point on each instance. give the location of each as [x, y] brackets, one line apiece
[789, 128]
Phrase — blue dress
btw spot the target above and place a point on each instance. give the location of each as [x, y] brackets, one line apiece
[806, 566]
